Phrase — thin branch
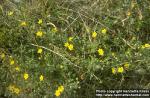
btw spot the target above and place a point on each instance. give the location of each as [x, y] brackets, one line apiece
[93, 19]
[70, 24]
[128, 43]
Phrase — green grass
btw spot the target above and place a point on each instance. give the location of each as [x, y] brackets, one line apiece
[82, 70]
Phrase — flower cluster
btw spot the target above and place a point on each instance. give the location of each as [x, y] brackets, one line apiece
[94, 34]
[59, 90]
[14, 89]
[45, 54]
[68, 44]
[120, 69]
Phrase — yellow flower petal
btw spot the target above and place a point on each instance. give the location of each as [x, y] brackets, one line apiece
[132, 4]
[113, 54]
[40, 50]
[66, 44]
[12, 62]
[70, 39]
[10, 13]
[147, 45]
[128, 13]
[16, 90]
[54, 29]
[26, 76]
[57, 93]
[2, 55]
[17, 69]
[114, 70]
[70, 47]
[40, 21]
[41, 77]
[120, 69]
[101, 52]
[61, 88]
[126, 65]
[39, 34]
[104, 31]
[94, 34]
[23, 23]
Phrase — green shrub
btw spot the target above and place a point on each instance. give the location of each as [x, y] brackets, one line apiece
[70, 48]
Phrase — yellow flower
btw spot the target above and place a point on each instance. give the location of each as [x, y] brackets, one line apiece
[70, 39]
[70, 47]
[23, 23]
[66, 44]
[39, 34]
[16, 90]
[133, 4]
[120, 69]
[40, 21]
[10, 13]
[100, 52]
[113, 54]
[12, 62]
[61, 88]
[57, 93]
[113, 70]
[147, 45]
[40, 50]
[128, 13]
[2, 55]
[41, 77]
[54, 29]
[104, 31]
[94, 34]
[126, 65]
[17, 68]
[26, 76]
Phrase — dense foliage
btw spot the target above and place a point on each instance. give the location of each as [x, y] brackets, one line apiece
[70, 48]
